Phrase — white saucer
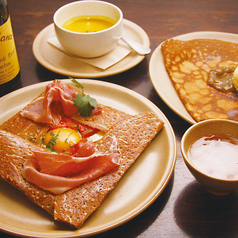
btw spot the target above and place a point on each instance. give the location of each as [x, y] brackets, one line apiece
[45, 54]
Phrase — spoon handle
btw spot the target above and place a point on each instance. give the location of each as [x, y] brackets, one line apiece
[140, 49]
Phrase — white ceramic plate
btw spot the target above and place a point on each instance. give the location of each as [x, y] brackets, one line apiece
[160, 78]
[46, 54]
[138, 188]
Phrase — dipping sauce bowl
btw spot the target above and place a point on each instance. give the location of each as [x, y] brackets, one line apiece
[88, 44]
[210, 151]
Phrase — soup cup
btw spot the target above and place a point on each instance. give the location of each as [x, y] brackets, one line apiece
[212, 183]
[92, 44]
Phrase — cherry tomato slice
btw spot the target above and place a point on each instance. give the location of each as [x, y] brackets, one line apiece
[85, 130]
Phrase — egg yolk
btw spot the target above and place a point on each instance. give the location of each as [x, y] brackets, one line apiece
[62, 140]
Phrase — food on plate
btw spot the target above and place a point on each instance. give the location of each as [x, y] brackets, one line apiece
[191, 63]
[222, 79]
[235, 79]
[68, 163]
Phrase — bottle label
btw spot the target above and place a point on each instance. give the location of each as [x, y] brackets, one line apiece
[9, 65]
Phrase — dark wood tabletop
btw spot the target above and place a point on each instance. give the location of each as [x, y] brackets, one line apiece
[184, 209]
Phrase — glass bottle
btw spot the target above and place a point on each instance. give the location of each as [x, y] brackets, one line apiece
[9, 64]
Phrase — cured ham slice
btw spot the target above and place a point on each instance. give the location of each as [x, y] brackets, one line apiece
[58, 173]
[40, 110]
[64, 164]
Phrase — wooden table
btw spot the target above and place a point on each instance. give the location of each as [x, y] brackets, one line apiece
[184, 209]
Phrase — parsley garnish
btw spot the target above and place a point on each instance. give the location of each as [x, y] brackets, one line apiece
[77, 84]
[83, 102]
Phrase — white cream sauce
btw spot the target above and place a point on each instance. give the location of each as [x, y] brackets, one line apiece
[216, 156]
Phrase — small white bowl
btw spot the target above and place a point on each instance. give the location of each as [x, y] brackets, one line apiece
[88, 45]
[214, 185]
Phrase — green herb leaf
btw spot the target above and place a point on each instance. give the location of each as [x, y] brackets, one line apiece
[85, 104]
[77, 84]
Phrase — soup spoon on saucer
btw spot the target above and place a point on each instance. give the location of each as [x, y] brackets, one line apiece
[138, 48]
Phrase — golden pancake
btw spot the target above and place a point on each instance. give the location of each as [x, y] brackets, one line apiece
[133, 135]
[188, 64]
[19, 135]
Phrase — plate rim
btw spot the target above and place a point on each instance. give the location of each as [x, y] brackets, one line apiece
[150, 199]
[158, 53]
[105, 73]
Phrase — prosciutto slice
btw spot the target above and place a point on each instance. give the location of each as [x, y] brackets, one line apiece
[58, 173]
[40, 110]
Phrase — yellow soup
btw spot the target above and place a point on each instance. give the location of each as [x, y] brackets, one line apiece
[88, 23]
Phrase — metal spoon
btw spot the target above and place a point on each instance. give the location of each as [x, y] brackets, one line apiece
[140, 49]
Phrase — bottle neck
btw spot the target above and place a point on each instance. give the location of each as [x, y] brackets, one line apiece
[3, 12]
[3, 2]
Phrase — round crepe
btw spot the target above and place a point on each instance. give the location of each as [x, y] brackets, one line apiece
[188, 64]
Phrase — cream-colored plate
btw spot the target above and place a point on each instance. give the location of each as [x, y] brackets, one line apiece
[138, 188]
[160, 78]
[45, 54]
